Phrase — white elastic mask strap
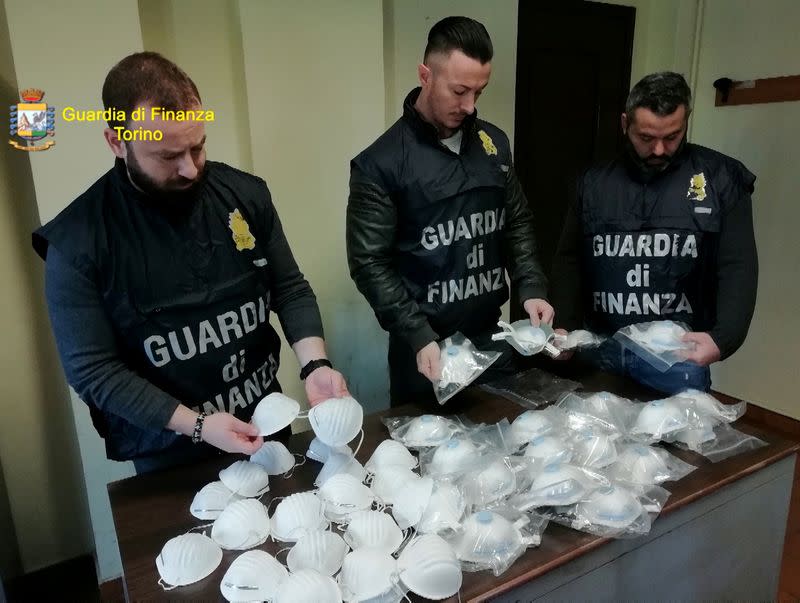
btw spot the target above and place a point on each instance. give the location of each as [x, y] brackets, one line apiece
[200, 528]
[286, 548]
[163, 585]
[297, 463]
[360, 441]
[269, 506]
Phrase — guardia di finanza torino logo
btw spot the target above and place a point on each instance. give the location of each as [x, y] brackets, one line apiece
[32, 120]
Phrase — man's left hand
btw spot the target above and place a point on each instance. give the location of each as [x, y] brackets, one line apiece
[324, 383]
[705, 350]
[539, 311]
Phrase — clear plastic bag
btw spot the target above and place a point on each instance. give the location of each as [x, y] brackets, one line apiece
[494, 539]
[706, 405]
[577, 340]
[558, 484]
[491, 480]
[594, 449]
[660, 343]
[532, 388]
[618, 510]
[460, 365]
[423, 431]
[527, 339]
[727, 442]
[601, 411]
[647, 465]
[531, 424]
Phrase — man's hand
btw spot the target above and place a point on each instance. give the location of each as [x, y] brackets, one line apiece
[539, 311]
[226, 432]
[324, 383]
[428, 361]
[705, 350]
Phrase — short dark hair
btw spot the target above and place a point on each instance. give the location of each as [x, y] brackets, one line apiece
[460, 33]
[147, 78]
[661, 92]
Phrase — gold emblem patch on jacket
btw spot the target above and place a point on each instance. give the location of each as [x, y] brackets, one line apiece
[697, 187]
[488, 145]
[241, 231]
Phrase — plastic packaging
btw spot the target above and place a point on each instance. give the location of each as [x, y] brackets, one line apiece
[527, 339]
[647, 465]
[423, 431]
[535, 423]
[460, 365]
[728, 442]
[532, 388]
[601, 412]
[577, 340]
[558, 485]
[593, 448]
[494, 539]
[660, 343]
[492, 479]
[659, 419]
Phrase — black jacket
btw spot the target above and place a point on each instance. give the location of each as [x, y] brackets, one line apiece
[152, 307]
[675, 245]
[431, 233]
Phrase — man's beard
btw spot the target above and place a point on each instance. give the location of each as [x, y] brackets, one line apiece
[654, 164]
[173, 198]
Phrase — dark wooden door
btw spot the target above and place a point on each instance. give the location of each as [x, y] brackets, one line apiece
[573, 76]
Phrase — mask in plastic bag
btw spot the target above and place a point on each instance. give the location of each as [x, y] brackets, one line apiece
[707, 405]
[694, 437]
[601, 411]
[611, 506]
[549, 450]
[658, 419]
[411, 500]
[490, 483]
[187, 559]
[336, 421]
[454, 456]
[274, 412]
[339, 463]
[459, 365]
[490, 541]
[389, 480]
[642, 464]
[556, 485]
[577, 339]
[274, 457]
[527, 339]
[660, 343]
[343, 495]
[319, 451]
[297, 515]
[322, 551]
[595, 450]
[245, 478]
[211, 499]
[428, 567]
[253, 576]
[444, 510]
[367, 573]
[242, 525]
[529, 425]
[390, 452]
[426, 431]
[308, 586]
[374, 529]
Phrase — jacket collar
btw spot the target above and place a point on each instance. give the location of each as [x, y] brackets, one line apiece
[428, 130]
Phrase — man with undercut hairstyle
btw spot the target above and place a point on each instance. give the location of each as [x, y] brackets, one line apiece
[160, 280]
[436, 218]
[663, 232]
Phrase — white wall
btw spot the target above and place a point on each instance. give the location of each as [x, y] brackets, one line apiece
[745, 39]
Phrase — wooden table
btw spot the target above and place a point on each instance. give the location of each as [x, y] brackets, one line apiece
[719, 535]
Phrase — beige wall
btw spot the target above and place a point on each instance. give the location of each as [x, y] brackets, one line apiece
[764, 137]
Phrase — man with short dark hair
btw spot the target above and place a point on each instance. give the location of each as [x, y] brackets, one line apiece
[436, 217]
[663, 232]
[160, 280]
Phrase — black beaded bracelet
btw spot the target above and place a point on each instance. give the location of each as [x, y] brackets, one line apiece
[198, 428]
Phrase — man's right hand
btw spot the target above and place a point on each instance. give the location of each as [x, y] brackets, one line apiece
[428, 360]
[226, 432]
